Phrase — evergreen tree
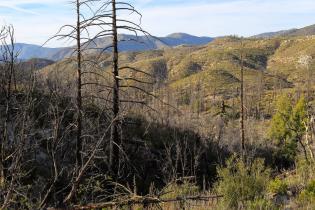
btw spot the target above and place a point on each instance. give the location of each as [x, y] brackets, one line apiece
[298, 121]
[299, 118]
[279, 130]
[288, 128]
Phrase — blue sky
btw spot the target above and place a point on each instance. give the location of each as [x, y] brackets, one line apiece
[36, 20]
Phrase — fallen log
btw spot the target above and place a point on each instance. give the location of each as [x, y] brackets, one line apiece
[138, 200]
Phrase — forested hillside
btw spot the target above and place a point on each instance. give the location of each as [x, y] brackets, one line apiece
[210, 74]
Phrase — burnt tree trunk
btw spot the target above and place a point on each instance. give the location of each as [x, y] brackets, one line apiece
[115, 137]
[79, 91]
[9, 58]
[242, 106]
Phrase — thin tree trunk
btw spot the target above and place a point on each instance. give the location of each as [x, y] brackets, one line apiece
[242, 106]
[307, 142]
[304, 149]
[308, 138]
[79, 92]
[16, 162]
[5, 138]
[114, 139]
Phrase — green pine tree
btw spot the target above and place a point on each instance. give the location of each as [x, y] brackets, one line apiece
[288, 127]
[279, 130]
[299, 118]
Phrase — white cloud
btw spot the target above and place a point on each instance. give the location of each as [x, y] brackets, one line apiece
[11, 6]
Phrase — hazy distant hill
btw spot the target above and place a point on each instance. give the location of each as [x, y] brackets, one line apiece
[306, 31]
[128, 43]
[28, 51]
[35, 63]
[274, 34]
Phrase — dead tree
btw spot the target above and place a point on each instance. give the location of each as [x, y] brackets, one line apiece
[79, 87]
[8, 60]
[2, 36]
[115, 138]
[113, 90]
[144, 201]
[107, 19]
[17, 157]
[56, 144]
[18, 123]
[242, 117]
[306, 62]
[78, 32]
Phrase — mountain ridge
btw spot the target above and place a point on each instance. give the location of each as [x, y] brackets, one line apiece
[305, 31]
[132, 43]
[128, 43]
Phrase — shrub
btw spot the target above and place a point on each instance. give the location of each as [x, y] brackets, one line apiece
[304, 171]
[240, 184]
[260, 204]
[278, 187]
[185, 188]
[179, 188]
[311, 188]
[307, 196]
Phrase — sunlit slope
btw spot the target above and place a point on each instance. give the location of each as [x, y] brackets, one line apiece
[294, 59]
[270, 65]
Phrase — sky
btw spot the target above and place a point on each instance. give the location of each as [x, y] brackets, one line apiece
[37, 20]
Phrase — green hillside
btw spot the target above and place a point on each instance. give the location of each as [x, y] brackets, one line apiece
[271, 66]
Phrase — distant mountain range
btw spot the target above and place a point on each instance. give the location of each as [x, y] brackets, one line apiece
[306, 31]
[127, 43]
